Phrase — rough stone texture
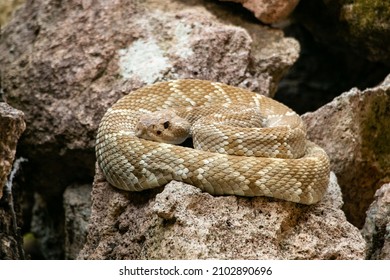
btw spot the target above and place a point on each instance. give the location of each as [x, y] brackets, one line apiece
[77, 204]
[376, 230]
[269, 11]
[12, 126]
[361, 26]
[354, 131]
[181, 222]
[65, 63]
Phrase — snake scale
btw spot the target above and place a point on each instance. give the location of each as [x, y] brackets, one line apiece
[245, 144]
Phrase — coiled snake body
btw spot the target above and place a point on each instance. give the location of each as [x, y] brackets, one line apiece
[251, 145]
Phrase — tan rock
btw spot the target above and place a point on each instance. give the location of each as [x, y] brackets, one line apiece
[12, 126]
[269, 11]
[181, 222]
[354, 131]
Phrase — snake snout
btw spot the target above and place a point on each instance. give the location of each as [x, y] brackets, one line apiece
[163, 126]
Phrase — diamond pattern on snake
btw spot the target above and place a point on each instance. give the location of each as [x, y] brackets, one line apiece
[244, 143]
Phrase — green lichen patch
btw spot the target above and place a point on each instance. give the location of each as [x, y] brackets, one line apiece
[369, 15]
[375, 128]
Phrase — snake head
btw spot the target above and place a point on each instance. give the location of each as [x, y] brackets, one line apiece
[163, 126]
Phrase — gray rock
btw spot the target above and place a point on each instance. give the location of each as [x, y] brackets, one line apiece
[47, 228]
[77, 205]
[353, 130]
[376, 230]
[181, 222]
[58, 237]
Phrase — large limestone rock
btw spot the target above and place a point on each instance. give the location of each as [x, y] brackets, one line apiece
[181, 222]
[12, 126]
[354, 131]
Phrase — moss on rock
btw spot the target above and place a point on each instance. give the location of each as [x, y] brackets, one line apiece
[367, 16]
[362, 26]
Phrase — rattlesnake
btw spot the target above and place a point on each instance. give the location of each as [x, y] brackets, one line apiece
[256, 148]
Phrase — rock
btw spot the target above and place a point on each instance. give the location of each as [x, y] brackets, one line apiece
[360, 26]
[64, 65]
[353, 130]
[77, 204]
[68, 241]
[321, 73]
[181, 222]
[47, 226]
[376, 230]
[269, 11]
[12, 126]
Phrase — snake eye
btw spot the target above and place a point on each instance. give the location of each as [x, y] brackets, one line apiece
[158, 132]
[166, 124]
